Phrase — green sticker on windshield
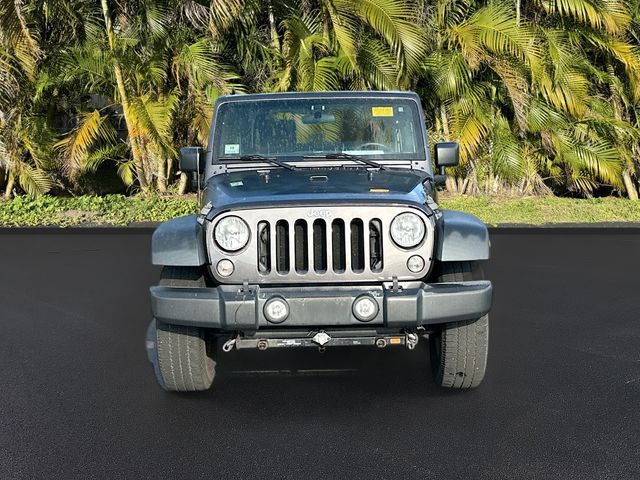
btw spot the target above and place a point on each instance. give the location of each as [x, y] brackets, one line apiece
[232, 149]
[236, 184]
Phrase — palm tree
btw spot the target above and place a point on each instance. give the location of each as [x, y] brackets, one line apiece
[542, 97]
[476, 85]
[324, 45]
[521, 97]
[148, 73]
[590, 64]
[24, 138]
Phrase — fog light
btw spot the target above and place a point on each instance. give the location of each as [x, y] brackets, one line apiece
[225, 268]
[276, 310]
[415, 263]
[365, 308]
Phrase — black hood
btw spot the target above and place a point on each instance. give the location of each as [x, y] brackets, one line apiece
[316, 185]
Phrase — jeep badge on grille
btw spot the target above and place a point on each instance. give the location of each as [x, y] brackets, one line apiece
[319, 213]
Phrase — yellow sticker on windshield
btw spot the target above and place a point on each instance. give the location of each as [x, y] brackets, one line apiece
[382, 111]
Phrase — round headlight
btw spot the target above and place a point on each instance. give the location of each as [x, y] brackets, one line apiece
[407, 230]
[231, 234]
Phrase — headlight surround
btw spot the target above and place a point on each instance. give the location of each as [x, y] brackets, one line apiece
[407, 230]
[231, 233]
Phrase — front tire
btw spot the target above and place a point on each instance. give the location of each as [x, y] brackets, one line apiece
[459, 350]
[185, 356]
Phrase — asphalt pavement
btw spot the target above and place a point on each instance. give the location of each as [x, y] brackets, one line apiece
[561, 398]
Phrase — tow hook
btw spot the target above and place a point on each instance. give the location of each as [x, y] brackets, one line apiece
[228, 345]
[411, 339]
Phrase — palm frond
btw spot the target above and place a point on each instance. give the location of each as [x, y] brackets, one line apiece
[93, 128]
[98, 156]
[15, 32]
[506, 156]
[32, 180]
[600, 159]
[470, 126]
[493, 30]
[376, 65]
[609, 15]
[394, 20]
[127, 172]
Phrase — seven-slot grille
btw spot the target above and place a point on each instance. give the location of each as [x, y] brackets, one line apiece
[323, 244]
[320, 245]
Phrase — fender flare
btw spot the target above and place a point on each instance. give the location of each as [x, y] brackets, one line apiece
[461, 237]
[179, 242]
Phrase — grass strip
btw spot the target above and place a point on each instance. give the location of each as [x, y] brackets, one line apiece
[122, 210]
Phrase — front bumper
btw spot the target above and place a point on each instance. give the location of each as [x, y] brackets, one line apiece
[408, 304]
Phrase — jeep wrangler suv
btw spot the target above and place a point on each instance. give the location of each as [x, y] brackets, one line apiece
[319, 227]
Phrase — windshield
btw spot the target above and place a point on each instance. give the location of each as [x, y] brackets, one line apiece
[295, 128]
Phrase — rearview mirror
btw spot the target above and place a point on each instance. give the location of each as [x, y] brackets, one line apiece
[192, 159]
[446, 155]
[318, 118]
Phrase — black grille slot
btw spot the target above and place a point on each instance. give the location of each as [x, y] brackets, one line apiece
[357, 245]
[282, 246]
[320, 246]
[375, 245]
[338, 246]
[301, 247]
[264, 247]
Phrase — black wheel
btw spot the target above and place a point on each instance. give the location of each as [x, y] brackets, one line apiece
[185, 356]
[459, 349]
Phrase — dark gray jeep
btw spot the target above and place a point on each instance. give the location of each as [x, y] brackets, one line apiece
[319, 227]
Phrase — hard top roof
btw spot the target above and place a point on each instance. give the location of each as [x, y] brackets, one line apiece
[318, 95]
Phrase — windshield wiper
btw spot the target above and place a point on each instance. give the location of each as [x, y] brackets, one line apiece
[262, 158]
[348, 156]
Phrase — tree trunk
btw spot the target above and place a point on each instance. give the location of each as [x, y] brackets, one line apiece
[162, 174]
[275, 40]
[618, 114]
[326, 24]
[451, 184]
[169, 168]
[465, 184]
[632, 191]
[136, 152]
[445, 121]
[183, 183]
[10, 183]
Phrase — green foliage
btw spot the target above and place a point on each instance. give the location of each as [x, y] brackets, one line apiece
[542, 97]
[92, 210]
[121, 210]
[545, 210]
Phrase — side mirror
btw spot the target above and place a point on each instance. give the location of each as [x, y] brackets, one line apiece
[192, 159]
[446, 155]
